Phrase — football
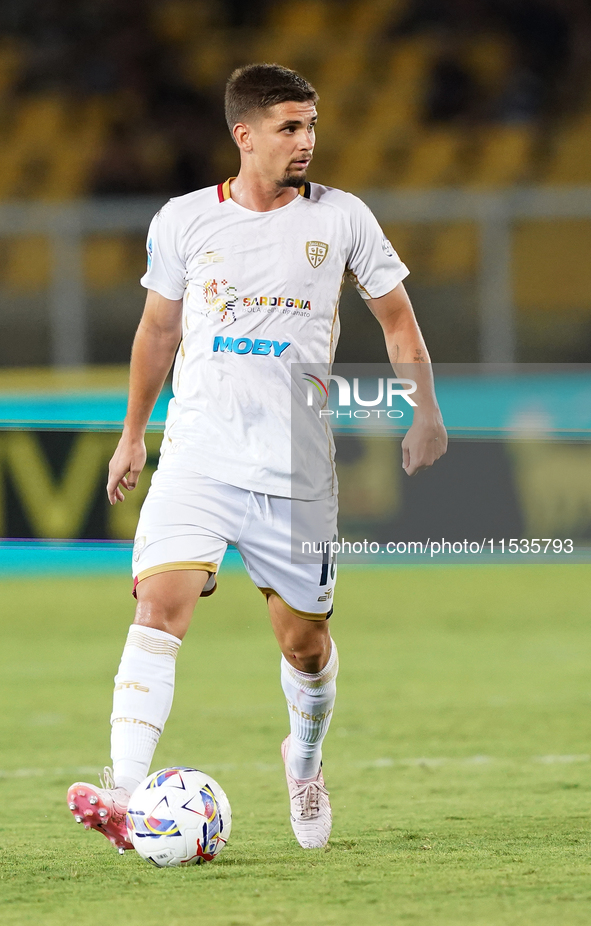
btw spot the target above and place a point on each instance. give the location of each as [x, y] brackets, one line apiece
[179, 816]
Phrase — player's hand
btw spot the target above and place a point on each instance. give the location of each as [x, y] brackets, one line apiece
[424, 442]
[125, 467]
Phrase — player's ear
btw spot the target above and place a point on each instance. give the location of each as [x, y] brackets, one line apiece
[242, 136]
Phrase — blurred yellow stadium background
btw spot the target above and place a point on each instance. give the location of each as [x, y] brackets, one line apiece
[465, 124]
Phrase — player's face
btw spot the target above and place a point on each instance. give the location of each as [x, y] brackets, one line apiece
[283, 141]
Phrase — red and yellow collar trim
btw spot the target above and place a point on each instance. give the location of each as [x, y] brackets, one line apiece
[224, 190]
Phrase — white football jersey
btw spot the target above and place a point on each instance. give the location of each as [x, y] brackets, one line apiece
[260, 292]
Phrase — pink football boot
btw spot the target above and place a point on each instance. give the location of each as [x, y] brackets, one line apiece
[102, 809]
[311, 814]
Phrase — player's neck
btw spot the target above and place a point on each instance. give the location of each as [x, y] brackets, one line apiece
[258, 194]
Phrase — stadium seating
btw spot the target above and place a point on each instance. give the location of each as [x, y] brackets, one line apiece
[27, 264]
[373, 74]
[504, 157]
[553, 271]
[434, 159]
[570, 161]
[48, 150]
[372, 80]
[391, 119]
[10, 65]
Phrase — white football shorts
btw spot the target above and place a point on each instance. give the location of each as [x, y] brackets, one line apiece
[187, 521]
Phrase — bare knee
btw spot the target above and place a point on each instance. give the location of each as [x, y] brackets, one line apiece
[160, 616]
[308, 652]
[166, 601]
[306, 644]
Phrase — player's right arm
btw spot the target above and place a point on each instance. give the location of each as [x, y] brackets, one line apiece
[154, 347]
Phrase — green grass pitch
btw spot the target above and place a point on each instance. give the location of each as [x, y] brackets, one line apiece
[458, 758]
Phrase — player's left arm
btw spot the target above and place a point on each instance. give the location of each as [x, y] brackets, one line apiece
[426, 439]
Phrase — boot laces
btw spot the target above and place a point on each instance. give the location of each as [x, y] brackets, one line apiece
[106, 779]
[308, 799]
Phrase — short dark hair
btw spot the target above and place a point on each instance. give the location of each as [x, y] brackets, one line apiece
[258, 86]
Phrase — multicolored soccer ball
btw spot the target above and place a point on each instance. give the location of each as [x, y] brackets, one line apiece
[179, 816]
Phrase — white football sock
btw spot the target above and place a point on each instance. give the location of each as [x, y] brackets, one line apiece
[310, 700]
[144, 688]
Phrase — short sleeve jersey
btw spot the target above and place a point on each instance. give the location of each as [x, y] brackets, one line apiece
[260, 292]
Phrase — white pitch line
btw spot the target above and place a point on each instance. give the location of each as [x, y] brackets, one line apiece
[385, 762]
[430, 762]
[49, 772]
[561, 760]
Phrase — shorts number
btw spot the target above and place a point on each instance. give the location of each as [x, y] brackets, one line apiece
[328, 562]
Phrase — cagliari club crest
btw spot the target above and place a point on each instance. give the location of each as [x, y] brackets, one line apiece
[316, 251]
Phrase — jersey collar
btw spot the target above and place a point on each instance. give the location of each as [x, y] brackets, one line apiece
[224, 190]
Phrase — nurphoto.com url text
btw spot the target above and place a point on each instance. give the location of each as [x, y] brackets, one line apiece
[439, 547]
